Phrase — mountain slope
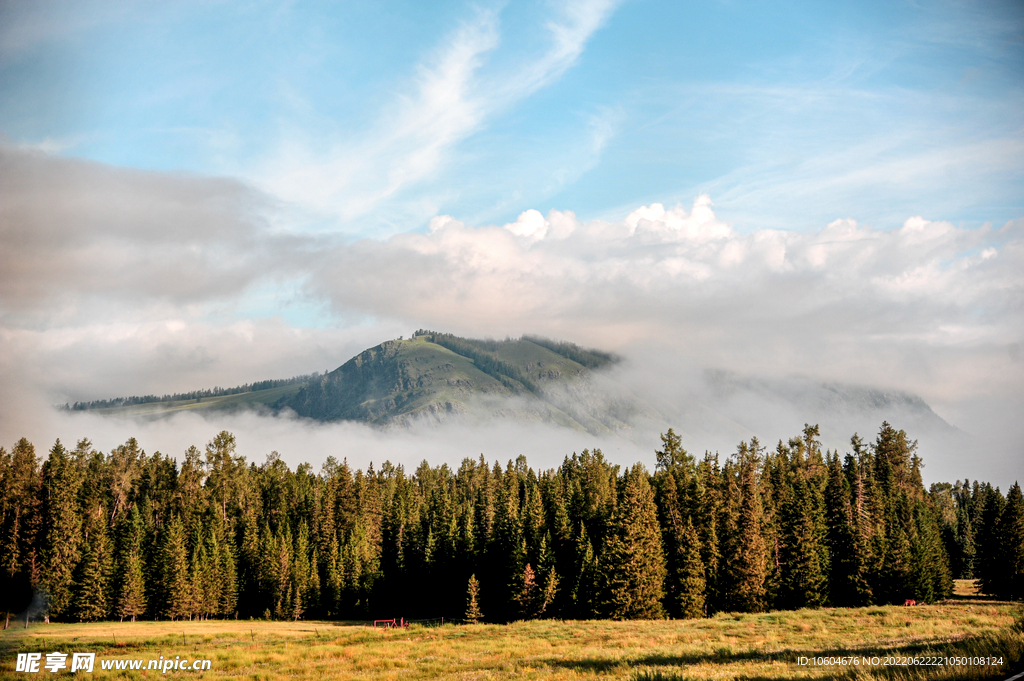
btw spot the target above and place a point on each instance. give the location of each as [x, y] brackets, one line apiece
[435, 377]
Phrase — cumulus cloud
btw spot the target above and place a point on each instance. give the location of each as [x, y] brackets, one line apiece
[119, 282]
[849, 297]
[929, 308]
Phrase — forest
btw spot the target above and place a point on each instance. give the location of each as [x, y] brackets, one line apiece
[87, 535]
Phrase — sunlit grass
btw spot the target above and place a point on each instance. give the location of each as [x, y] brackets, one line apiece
[728, 646]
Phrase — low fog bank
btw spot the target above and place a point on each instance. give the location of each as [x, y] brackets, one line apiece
[712, 410]
[303, 441]
[170, 283]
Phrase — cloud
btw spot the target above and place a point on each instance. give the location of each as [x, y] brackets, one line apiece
[454, 92]
[75, 231]
[659, 269]
[928, 308]
[117, 282]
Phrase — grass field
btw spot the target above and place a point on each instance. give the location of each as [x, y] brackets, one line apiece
[763, 646]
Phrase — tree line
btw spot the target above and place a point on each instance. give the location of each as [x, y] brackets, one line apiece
[87, 535]
[191, 395]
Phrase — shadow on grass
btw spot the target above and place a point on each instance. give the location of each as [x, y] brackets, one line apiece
[1007, 645]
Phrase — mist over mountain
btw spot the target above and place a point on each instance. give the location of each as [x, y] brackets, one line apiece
[719, 408]
[437, 379]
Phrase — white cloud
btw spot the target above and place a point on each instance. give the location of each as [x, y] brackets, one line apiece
[849, 301]
[119, 282]
[530, 224]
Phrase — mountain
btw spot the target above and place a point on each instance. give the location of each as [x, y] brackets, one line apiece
[432, 377]
[436, 377]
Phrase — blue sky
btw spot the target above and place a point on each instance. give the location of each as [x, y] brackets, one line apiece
[789, 115]
[211, 193]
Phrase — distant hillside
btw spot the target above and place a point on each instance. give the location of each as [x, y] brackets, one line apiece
[193, 396]
[436, 376]
[432, 376]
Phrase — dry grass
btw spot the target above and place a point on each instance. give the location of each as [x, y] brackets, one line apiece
[764, 646]
[966, 588]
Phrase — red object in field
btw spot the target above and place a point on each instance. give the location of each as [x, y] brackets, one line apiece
[399, 623]
[910, 601]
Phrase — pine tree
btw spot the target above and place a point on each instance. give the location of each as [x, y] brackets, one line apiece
[63, 527]
[632, 562]
[803, 578]
[690, 597]
[19, 527]
[746, 565]
[988, 563]
[1010, 581]
[177, 591]
[685, 581]
[131, 599]
[229, 579]
[226, 472]
[548, 593]
[584, 592]
[473, 613]
[526, 599]
[857, 562]
[92, 600]
[506, 554]
[707, 514]
[841, 538]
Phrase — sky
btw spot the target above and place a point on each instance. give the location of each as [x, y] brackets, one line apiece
[210, 193]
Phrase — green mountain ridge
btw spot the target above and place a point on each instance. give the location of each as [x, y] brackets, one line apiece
[431, 377]
[435, 377]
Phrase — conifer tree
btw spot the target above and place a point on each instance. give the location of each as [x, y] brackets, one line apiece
[548, 593]
[506, 553]
[526, 599]
[856, 565]
[92, 600]
[1009, 582]
[62, 527]
[963, 567]
[845, 567]
[226, 471]
[689, 596]
[988, 566]
[131, 598]
[473, 613]
[632, 562]
[803, 578]
[584, 592]
[746, 565]
[19, 526]
[708, 511]
[177, 591]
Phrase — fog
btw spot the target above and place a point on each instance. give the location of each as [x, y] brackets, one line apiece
[118, 282]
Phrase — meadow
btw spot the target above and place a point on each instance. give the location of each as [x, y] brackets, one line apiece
[727, 646]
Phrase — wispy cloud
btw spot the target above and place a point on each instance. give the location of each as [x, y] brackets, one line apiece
[451, 96]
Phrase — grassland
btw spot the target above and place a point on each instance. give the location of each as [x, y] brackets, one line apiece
[740, 646]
